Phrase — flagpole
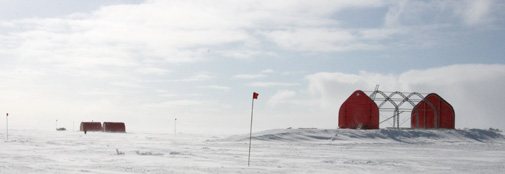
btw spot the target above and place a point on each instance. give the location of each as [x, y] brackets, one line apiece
[7, 123]
[250, 132]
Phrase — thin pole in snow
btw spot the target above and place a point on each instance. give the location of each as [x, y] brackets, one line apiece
[7, 123]
[255, 96]
[56, 124]
[175, 127]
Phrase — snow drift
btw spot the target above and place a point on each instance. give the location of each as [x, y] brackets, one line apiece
[373, 136]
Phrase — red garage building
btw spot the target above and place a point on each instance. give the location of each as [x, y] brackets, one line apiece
[436, 113]
[91, 126]
[114, 127]
[358, 111]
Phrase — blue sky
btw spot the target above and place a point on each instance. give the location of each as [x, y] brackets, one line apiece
[148, 62]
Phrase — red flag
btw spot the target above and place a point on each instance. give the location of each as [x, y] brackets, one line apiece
[255, 95]
[7, 114]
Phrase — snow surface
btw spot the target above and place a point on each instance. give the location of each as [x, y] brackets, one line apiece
[273, 151]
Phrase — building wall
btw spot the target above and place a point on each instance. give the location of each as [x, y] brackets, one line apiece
[91, 126]
[423, 115]
[358, 109]
[114, 127]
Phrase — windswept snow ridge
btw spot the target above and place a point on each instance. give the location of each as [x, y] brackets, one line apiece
[379, 135]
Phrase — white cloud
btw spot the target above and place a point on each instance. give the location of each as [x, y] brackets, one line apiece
[469, 12]
[382, 33]
[189, 31]
[128, 84]
[281, 97]
[244, 54]
[335, 87]
[476, 11]
[218, 87]
[249, 76]
[200, 76]
[475, 91]
[152, 70]
[174, 32]
[267, 71]
[395, 12]
[262, 74]
[318, 39]
[181, 107]
[271, 84]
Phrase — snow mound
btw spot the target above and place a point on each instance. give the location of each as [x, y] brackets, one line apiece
[403, 135]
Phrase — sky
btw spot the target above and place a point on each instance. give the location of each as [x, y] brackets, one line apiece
[146, 63]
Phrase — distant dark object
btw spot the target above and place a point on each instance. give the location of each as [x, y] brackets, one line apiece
[358, 112]
[114, 127]
[61, 129]
[119, 152]
[496, 130]
[425, 116]
[91, 126]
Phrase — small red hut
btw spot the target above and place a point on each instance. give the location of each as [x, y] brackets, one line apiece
[114, 127]
[358, 112]
[440, 114]
[91, 126]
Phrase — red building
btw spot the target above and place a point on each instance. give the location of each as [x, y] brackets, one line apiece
[114, 127]
[440, 114]
[91, 126]
[358, 111]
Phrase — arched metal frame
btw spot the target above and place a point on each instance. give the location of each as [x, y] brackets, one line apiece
[396, 116]
[435, 112]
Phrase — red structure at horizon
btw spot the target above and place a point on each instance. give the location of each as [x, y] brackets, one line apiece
[114, 127]
[91, 126]
[425, 116]
[358, 112]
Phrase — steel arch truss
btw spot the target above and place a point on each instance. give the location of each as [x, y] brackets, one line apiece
[397, 106]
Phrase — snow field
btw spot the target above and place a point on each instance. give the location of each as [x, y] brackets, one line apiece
[273, 151]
